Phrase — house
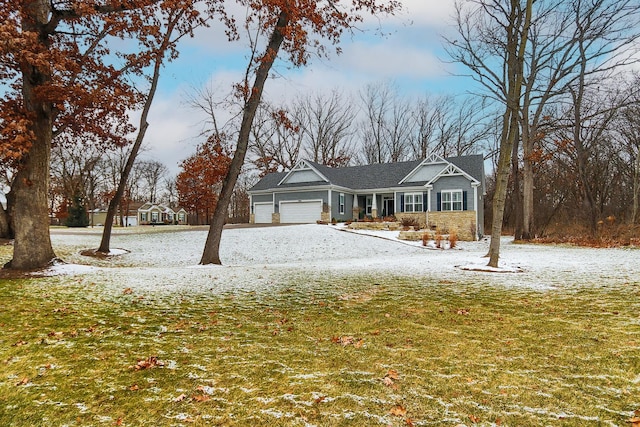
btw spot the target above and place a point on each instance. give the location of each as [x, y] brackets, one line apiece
[155, 213]
[440, 193]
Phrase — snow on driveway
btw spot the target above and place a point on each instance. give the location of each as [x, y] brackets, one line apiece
[259, 259]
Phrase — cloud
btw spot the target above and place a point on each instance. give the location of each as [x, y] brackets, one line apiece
[409, 53]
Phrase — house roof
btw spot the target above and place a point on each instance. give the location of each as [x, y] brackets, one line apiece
[375, 176]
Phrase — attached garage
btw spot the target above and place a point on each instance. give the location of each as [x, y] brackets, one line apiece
[263, 212]
[300, 212]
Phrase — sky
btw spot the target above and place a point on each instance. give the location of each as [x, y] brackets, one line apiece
[409, 54]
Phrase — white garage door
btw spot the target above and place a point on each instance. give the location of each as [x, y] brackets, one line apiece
[300, 212]
[263, 213]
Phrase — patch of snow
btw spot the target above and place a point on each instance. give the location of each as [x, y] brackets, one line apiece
[262, 259]
[65, 270]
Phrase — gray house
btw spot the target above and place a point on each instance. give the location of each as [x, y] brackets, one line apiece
[443, 194]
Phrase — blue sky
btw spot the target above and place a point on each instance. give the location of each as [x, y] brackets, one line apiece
[410, 54]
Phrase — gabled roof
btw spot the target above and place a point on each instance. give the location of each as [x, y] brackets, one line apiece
[375, 176]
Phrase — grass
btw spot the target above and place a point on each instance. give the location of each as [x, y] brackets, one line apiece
[356, 352]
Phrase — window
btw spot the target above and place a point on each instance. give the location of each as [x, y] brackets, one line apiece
[452, 200]
[180, 217]
[154, 216]
[413, 202]
[143, 216]
[341, 203]
[369, 205]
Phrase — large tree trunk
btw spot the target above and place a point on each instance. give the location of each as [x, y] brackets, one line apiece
[211, 253]
[32, 245]
[30, 217]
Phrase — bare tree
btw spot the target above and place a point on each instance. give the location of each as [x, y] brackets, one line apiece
[492, 41]
[326, 125]
[388, 127]
[153, 173]
[276, 139]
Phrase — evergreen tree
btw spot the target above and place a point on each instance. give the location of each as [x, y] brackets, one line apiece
[78, 216]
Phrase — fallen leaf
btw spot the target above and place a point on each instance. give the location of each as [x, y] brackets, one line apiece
[180, 398]
[387, 381]
[320, 399]
[393, 374]
[409, 422]
[148, 363]
[474, 419]
[134, 387]
[359, 343]
[398, 411]
[635, 421]
[201, 398]
[127, 291]
[23, 381]
[19, 343]
[119, 422]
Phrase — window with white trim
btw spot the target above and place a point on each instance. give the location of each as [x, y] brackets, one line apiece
[341, 203]
[451, 200]
[154, 216]
[413, 202]
[369, 203]
[143, 216]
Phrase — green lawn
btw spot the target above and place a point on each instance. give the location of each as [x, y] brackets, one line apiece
[356, 352]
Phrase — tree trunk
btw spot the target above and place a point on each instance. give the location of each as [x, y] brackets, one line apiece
[211, 253]
[122, 184]
[6, 224]
[516, 196]
[32, 245]
[635, 217]
[517, 37]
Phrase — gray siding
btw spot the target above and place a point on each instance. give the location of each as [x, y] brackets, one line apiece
[262, 198]
[452, 183]
[335, 206]
[300, 196]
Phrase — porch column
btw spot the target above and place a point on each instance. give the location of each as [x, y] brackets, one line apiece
[252, 215]
[428, 205]
[356, 210]
[374, 206]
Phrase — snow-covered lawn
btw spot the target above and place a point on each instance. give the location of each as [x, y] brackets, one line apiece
[256, 259]
[314, 326]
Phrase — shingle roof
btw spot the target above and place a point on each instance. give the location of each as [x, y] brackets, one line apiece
[380, 175]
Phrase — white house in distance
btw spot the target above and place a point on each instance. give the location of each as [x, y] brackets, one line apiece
[156, 213]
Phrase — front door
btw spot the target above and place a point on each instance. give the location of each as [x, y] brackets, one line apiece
[389, 206]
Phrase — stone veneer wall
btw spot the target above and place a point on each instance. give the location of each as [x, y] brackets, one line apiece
[275, 218]
[463, 223]
[252, 219]
[325, 217]
[420, 217]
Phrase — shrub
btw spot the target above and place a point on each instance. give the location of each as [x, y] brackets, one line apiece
[438, 240]
[409, 221]
[425, 239]
[453, 239]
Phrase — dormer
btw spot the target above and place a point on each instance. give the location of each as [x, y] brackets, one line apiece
[303, 172]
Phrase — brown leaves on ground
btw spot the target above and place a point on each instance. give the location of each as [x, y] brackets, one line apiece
[23, 381]
[148, 363]
[635, 421]
[398, 411]
[347, 341]
[390, 378]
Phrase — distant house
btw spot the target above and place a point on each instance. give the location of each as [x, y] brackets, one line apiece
[439, 193]
[155, 213]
